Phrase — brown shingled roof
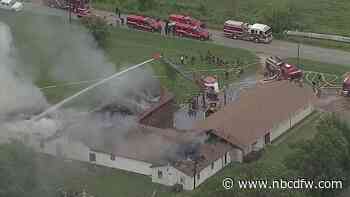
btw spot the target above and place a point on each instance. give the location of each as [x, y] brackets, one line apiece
[257, 111]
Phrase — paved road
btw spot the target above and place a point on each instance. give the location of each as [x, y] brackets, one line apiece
[277, 47]
[287, 49]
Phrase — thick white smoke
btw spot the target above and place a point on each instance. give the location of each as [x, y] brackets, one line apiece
[17, 93]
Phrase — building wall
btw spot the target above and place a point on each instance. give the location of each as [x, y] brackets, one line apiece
[122, 163]
[208, 171]
[293, 120]
[280, 128]
[171, 176]
[236, 155]
[64, 147]
[301, 114]
[75, 150]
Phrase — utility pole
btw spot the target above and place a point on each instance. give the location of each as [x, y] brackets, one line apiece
[299, 53]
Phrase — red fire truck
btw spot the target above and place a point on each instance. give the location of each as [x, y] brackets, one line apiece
[240, 30]
[277, 69]
[346, 86]
[184, 30]
[176, 18]
[144, 23]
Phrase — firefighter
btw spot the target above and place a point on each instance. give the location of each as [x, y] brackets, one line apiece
[208, 56]
[166, 27]
[227, 74]
[319, 79]
[314, 86]
[117, 12]
[182, 60]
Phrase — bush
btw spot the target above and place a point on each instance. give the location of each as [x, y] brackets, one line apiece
[281, 18]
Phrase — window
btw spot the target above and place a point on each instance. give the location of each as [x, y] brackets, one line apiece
[160, 174]
[212, 165]
[92, 157]
[199, 176]
[112, 157]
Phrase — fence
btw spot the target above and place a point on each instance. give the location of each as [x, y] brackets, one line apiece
[319, 36]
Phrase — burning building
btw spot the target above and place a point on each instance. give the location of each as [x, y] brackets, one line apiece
[168, 156]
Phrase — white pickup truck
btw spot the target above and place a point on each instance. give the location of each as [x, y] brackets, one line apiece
[11, 5]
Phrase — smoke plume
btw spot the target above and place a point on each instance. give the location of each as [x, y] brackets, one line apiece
[17, 92]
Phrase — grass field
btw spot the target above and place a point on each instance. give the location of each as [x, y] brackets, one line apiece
[318, 42]
[137, 46]
[334, 74]
[124, 48]
[322, 16]
[310, 65]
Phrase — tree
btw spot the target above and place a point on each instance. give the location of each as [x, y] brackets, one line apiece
[325, 157]
[281, 18]
[98, 27]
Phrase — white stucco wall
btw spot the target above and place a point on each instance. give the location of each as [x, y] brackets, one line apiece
[172, 176]
[78, 151]
[123, 163]
[207, 172]
[294, 119]
[66, 148]
[281, 128]
[236, 155]
[301, 114]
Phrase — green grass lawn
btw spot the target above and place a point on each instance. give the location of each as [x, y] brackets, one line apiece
[310, 65]
[319, 42]
[132, 46]
[97, 181]
[332, 73]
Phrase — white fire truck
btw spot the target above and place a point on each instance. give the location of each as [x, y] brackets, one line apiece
[258, 33]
